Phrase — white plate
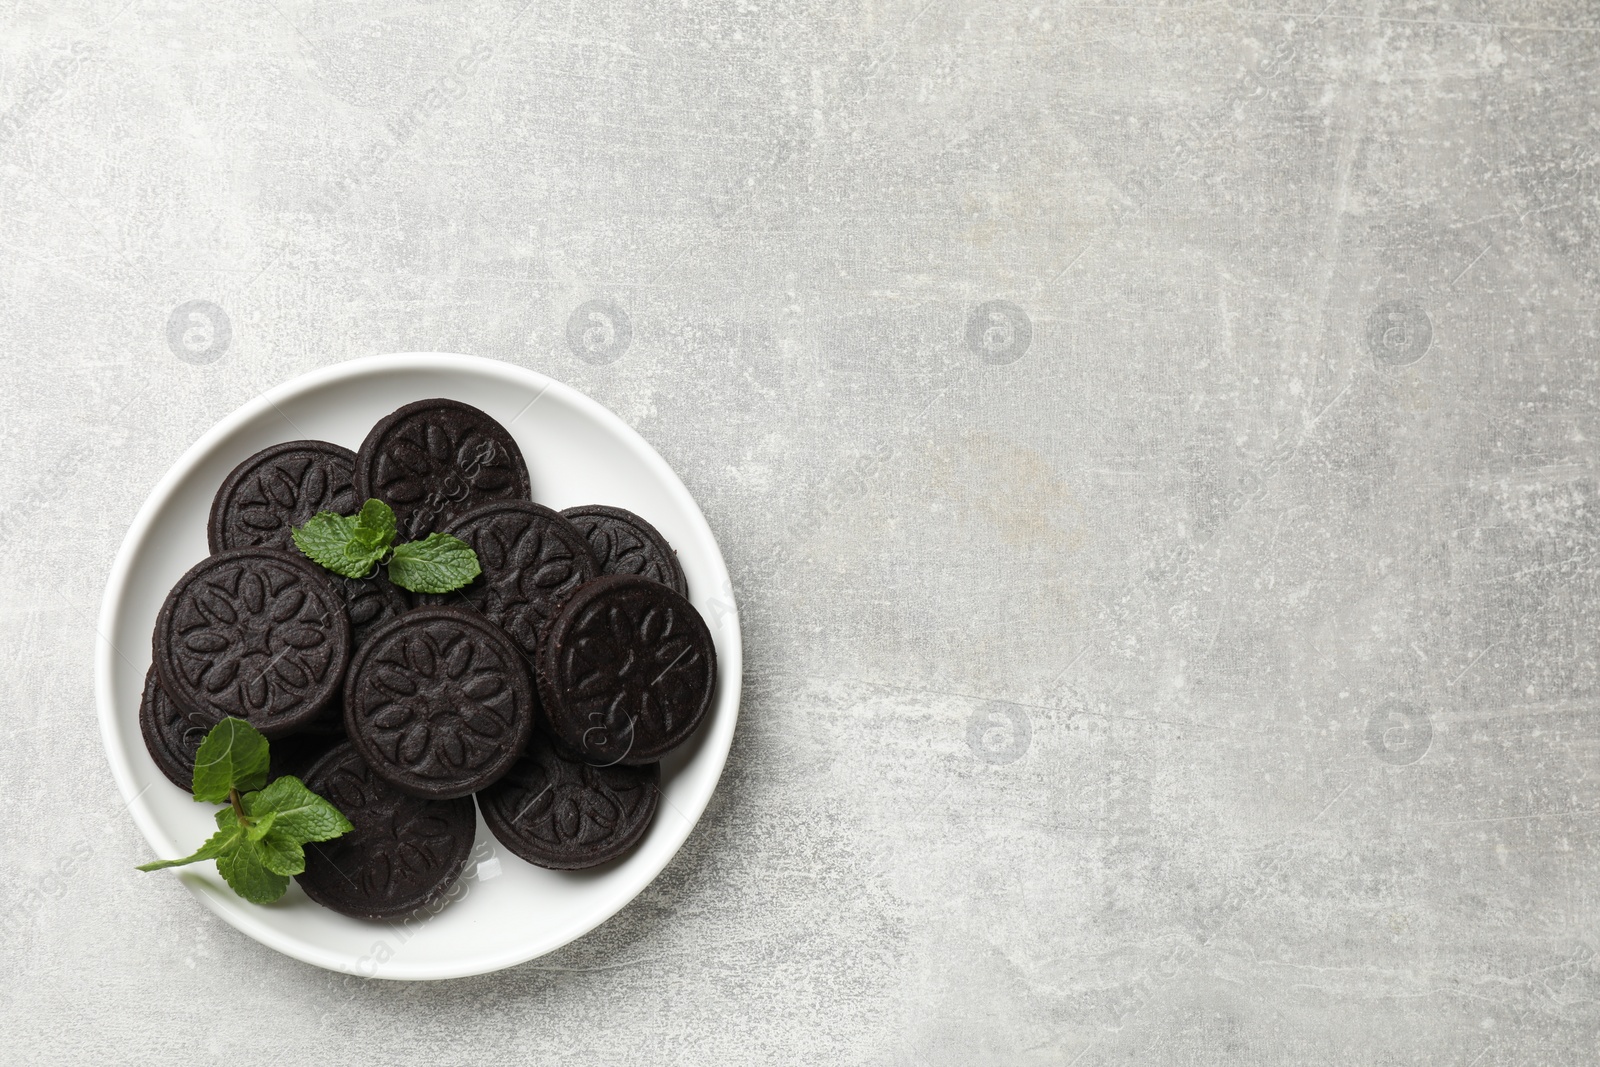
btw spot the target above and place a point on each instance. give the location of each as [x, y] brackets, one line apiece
[506, 911]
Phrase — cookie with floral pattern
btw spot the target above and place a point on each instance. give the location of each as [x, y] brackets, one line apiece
[625, 543]
[559, 812]
[403, 852]
[440, 702]
[254, 633]
[370, 602]
[277, 489]
[532, 560]
[435, 460]
[626, 672]
[171, 735]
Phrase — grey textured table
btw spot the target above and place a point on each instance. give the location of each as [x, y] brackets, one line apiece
[1154, 447]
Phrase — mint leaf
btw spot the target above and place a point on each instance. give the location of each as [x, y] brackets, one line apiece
[351, 544]
[219, 843]
[281, 853]
[233, 756]
[286, 815]
[260, 835]
[327, 538]
[375, 526]
[259, 828]
[253, 869]
[436, 564]
[348, 544]
[296, 811]
[245, 869]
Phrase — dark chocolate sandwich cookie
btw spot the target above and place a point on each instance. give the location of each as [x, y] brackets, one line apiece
[439, 702]
[171, 735]
[329, 723]
[370, 602]
[532, 561]
[626, 671]
[626, 544]
[403, 853]
[279, 488]
[438, 459]
[297, 753]
[562, 813]
[254, 633]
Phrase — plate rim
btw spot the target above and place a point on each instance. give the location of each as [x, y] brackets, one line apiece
[718, 741]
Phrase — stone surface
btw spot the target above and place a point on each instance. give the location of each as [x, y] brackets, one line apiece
[1154, 447]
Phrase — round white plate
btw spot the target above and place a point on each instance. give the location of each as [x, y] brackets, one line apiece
[503, 911]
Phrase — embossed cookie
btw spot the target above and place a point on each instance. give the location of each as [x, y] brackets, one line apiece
[171, 735]
[403, 853]
[532, 561]
[328, 723]
[370, 602]
[626, 671]
[562, 813]
[439, 702]
[626, 544]
[298, 753]
[435, 460]
[255, 633]
[279, 488]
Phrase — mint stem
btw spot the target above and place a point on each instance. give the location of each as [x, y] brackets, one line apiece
[238, 807]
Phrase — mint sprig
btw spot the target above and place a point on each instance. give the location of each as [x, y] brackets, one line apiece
[353, 545]
[375, 526]
[436, 564]
[328, 538]
[233, 755]
[262, 833]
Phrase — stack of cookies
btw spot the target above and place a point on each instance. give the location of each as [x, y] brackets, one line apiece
[548, 688]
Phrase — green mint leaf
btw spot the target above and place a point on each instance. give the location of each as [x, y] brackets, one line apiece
[281, 853]
[218, 844]
[348, 544]
[436, 564]
[296, 811]
[258, 851]
[244, 867]
[362, 557]
[375, 526]
[259, 828]
[327, 539]
[233, 756]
